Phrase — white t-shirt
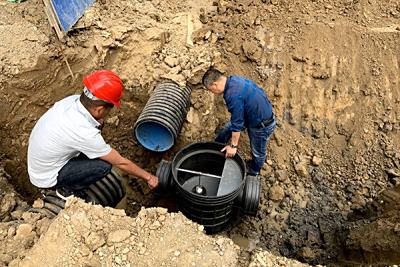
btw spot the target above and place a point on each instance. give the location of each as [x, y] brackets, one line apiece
[63, 132]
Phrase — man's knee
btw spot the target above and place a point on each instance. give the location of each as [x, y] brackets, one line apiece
[104, 166]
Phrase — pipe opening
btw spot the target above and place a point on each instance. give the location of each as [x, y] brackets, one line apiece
[154, 136]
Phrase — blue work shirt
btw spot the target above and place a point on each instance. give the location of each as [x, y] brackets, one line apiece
[247, 103]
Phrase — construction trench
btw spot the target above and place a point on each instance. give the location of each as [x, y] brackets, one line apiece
[329, 190]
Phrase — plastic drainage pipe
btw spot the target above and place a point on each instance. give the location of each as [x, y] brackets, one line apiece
[161, 120]
[108, 191]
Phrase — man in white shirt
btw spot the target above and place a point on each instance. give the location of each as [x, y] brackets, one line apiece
[66, 149]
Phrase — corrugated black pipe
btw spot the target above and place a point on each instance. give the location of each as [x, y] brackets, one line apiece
[161, 120]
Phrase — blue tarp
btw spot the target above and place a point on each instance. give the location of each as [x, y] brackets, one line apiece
[69, 11]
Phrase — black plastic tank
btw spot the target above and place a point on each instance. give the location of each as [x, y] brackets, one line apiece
[209, 187]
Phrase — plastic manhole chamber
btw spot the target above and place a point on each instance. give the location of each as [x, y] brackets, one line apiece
[209, 187]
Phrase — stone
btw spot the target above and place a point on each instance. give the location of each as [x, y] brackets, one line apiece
[276, 193]
[193, 117]
[30, 217]
[177, 253]
[307, 253]
[113, 120]
[94, 241]
[38, 204]
[23, 231]
[171, 61]
[281, 175]
[118, 236]
[17, 214]
[8, 203]
[11, 231]
[316, 161]
[142, 251]
[301, 169]
[251, 51]
[207, 35]
[118, 260]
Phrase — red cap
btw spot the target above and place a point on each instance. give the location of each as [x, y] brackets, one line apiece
[105, 85]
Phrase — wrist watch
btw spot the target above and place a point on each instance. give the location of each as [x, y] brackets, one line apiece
[233, 146]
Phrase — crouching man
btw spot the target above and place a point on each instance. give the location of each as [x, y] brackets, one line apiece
[66, 149]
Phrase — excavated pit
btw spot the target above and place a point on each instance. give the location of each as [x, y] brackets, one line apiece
[331, 70]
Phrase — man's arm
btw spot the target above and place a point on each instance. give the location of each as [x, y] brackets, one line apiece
[235, 106]
[131, 168]
[235, 138]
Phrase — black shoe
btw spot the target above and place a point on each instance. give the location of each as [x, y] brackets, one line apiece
[64, 193]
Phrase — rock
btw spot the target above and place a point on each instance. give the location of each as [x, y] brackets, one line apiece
[207, 35]
[17, 214]
[316, 161]
[38, 204]
[113, 120]
[193, 117]
[7, 204]
[118, 236]
[321, 75]
[251, 51]
[203, 18]
[94, 241]
[118, 260]
[281, 175]
[171, 61]
[276, 193]
[177, 253]
[11, 231]
[30, 217]
[142, 251]
[23, 231]
[278, 139]
[190, 28]
[307, 253]
[301, 169]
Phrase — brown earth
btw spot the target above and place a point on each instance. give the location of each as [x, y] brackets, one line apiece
[330, 68]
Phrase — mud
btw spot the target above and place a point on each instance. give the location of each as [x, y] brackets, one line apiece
[330, 68]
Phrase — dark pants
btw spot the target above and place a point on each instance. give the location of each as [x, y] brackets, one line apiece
[80, 172]
[258, 142]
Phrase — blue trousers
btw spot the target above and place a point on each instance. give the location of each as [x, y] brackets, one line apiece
[80, 172]
[258, 142]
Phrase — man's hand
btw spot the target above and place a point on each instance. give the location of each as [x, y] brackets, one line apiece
[229, 151]
[152, 181]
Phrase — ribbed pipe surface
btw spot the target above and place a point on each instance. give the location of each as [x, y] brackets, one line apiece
[108, 191]
[161, 120]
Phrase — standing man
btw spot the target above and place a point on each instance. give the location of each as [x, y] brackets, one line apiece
[250, 108]
[66, 150]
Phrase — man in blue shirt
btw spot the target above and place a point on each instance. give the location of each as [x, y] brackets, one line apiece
[250, 109]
